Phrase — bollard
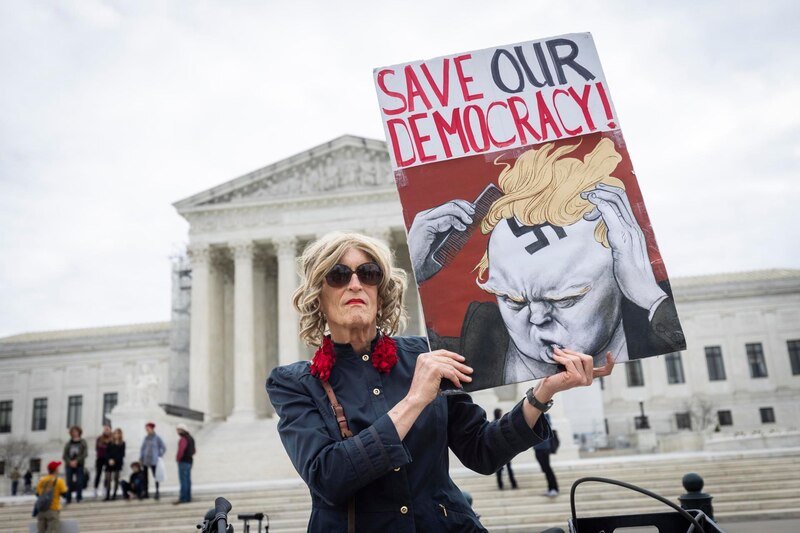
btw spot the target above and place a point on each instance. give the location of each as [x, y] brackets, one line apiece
[694, 497]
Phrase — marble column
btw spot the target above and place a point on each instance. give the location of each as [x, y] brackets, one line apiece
[93, 410]
[243, 332]
[560, 421]
[779, 369]
[23, 404]
[201, 324]
[286, 250]
[264, 289]
[56, 403]
[416, 322]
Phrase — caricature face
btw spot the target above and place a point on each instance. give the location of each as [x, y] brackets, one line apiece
[562, 294]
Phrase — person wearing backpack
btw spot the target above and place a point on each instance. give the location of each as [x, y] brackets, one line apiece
[49, 518]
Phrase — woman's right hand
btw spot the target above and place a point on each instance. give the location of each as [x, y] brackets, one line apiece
[431, 369]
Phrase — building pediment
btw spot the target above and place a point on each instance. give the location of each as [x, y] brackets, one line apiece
[347, 163]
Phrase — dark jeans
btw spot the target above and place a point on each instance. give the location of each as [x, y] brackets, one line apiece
[510, 477]
[185, 477]
[14, 487]
[74, 483]
[152, 468]
[99, 465]
[128, 490]
[543, 457]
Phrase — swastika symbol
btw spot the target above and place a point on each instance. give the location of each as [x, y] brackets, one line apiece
[541, 239]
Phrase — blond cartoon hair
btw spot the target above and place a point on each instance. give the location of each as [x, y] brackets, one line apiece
[317, 260]
[544, 186]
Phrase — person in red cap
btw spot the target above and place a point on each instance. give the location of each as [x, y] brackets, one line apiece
[153, 448]
[48, 521]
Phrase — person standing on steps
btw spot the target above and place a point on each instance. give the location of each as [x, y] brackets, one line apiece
[28, 478]
[14, 477]
[116, 458]
[184, 457]
[48, 521]
[101, 457]
[543, 450]
[497, 414]
[152, 449]
[75, 452]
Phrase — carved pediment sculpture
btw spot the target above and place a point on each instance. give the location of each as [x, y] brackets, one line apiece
[345, 168]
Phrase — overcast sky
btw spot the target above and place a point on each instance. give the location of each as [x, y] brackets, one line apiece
[112, 111]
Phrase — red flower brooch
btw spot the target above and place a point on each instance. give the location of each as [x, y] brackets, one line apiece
[384, 357]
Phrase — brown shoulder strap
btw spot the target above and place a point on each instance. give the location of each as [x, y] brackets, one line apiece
[351, 515]
[338, 411]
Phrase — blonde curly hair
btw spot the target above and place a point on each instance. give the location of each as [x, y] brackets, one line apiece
[317, 260]
[545, 186]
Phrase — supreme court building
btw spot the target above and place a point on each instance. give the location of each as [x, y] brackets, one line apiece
[233, 321]
[244, 240]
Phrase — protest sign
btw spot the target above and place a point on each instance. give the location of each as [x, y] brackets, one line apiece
[526, 226]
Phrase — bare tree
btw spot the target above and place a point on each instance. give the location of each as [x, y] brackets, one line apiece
[701, 410]
[17, 452]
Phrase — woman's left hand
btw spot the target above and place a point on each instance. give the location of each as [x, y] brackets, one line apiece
[579, 371]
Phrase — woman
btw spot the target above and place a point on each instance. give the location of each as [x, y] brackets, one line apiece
[101, 456]
[116, 456]
[150, 452]
[382, 464]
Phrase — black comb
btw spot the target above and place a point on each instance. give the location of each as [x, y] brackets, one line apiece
[447, 245]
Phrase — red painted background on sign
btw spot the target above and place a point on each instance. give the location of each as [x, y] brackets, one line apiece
[445, 297]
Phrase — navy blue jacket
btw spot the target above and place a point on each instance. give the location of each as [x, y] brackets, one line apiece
[399, 485]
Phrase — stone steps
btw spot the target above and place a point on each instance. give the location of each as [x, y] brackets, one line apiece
[744, 486]
[259, 455]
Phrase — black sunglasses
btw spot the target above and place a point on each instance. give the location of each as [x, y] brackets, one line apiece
[340, 275]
